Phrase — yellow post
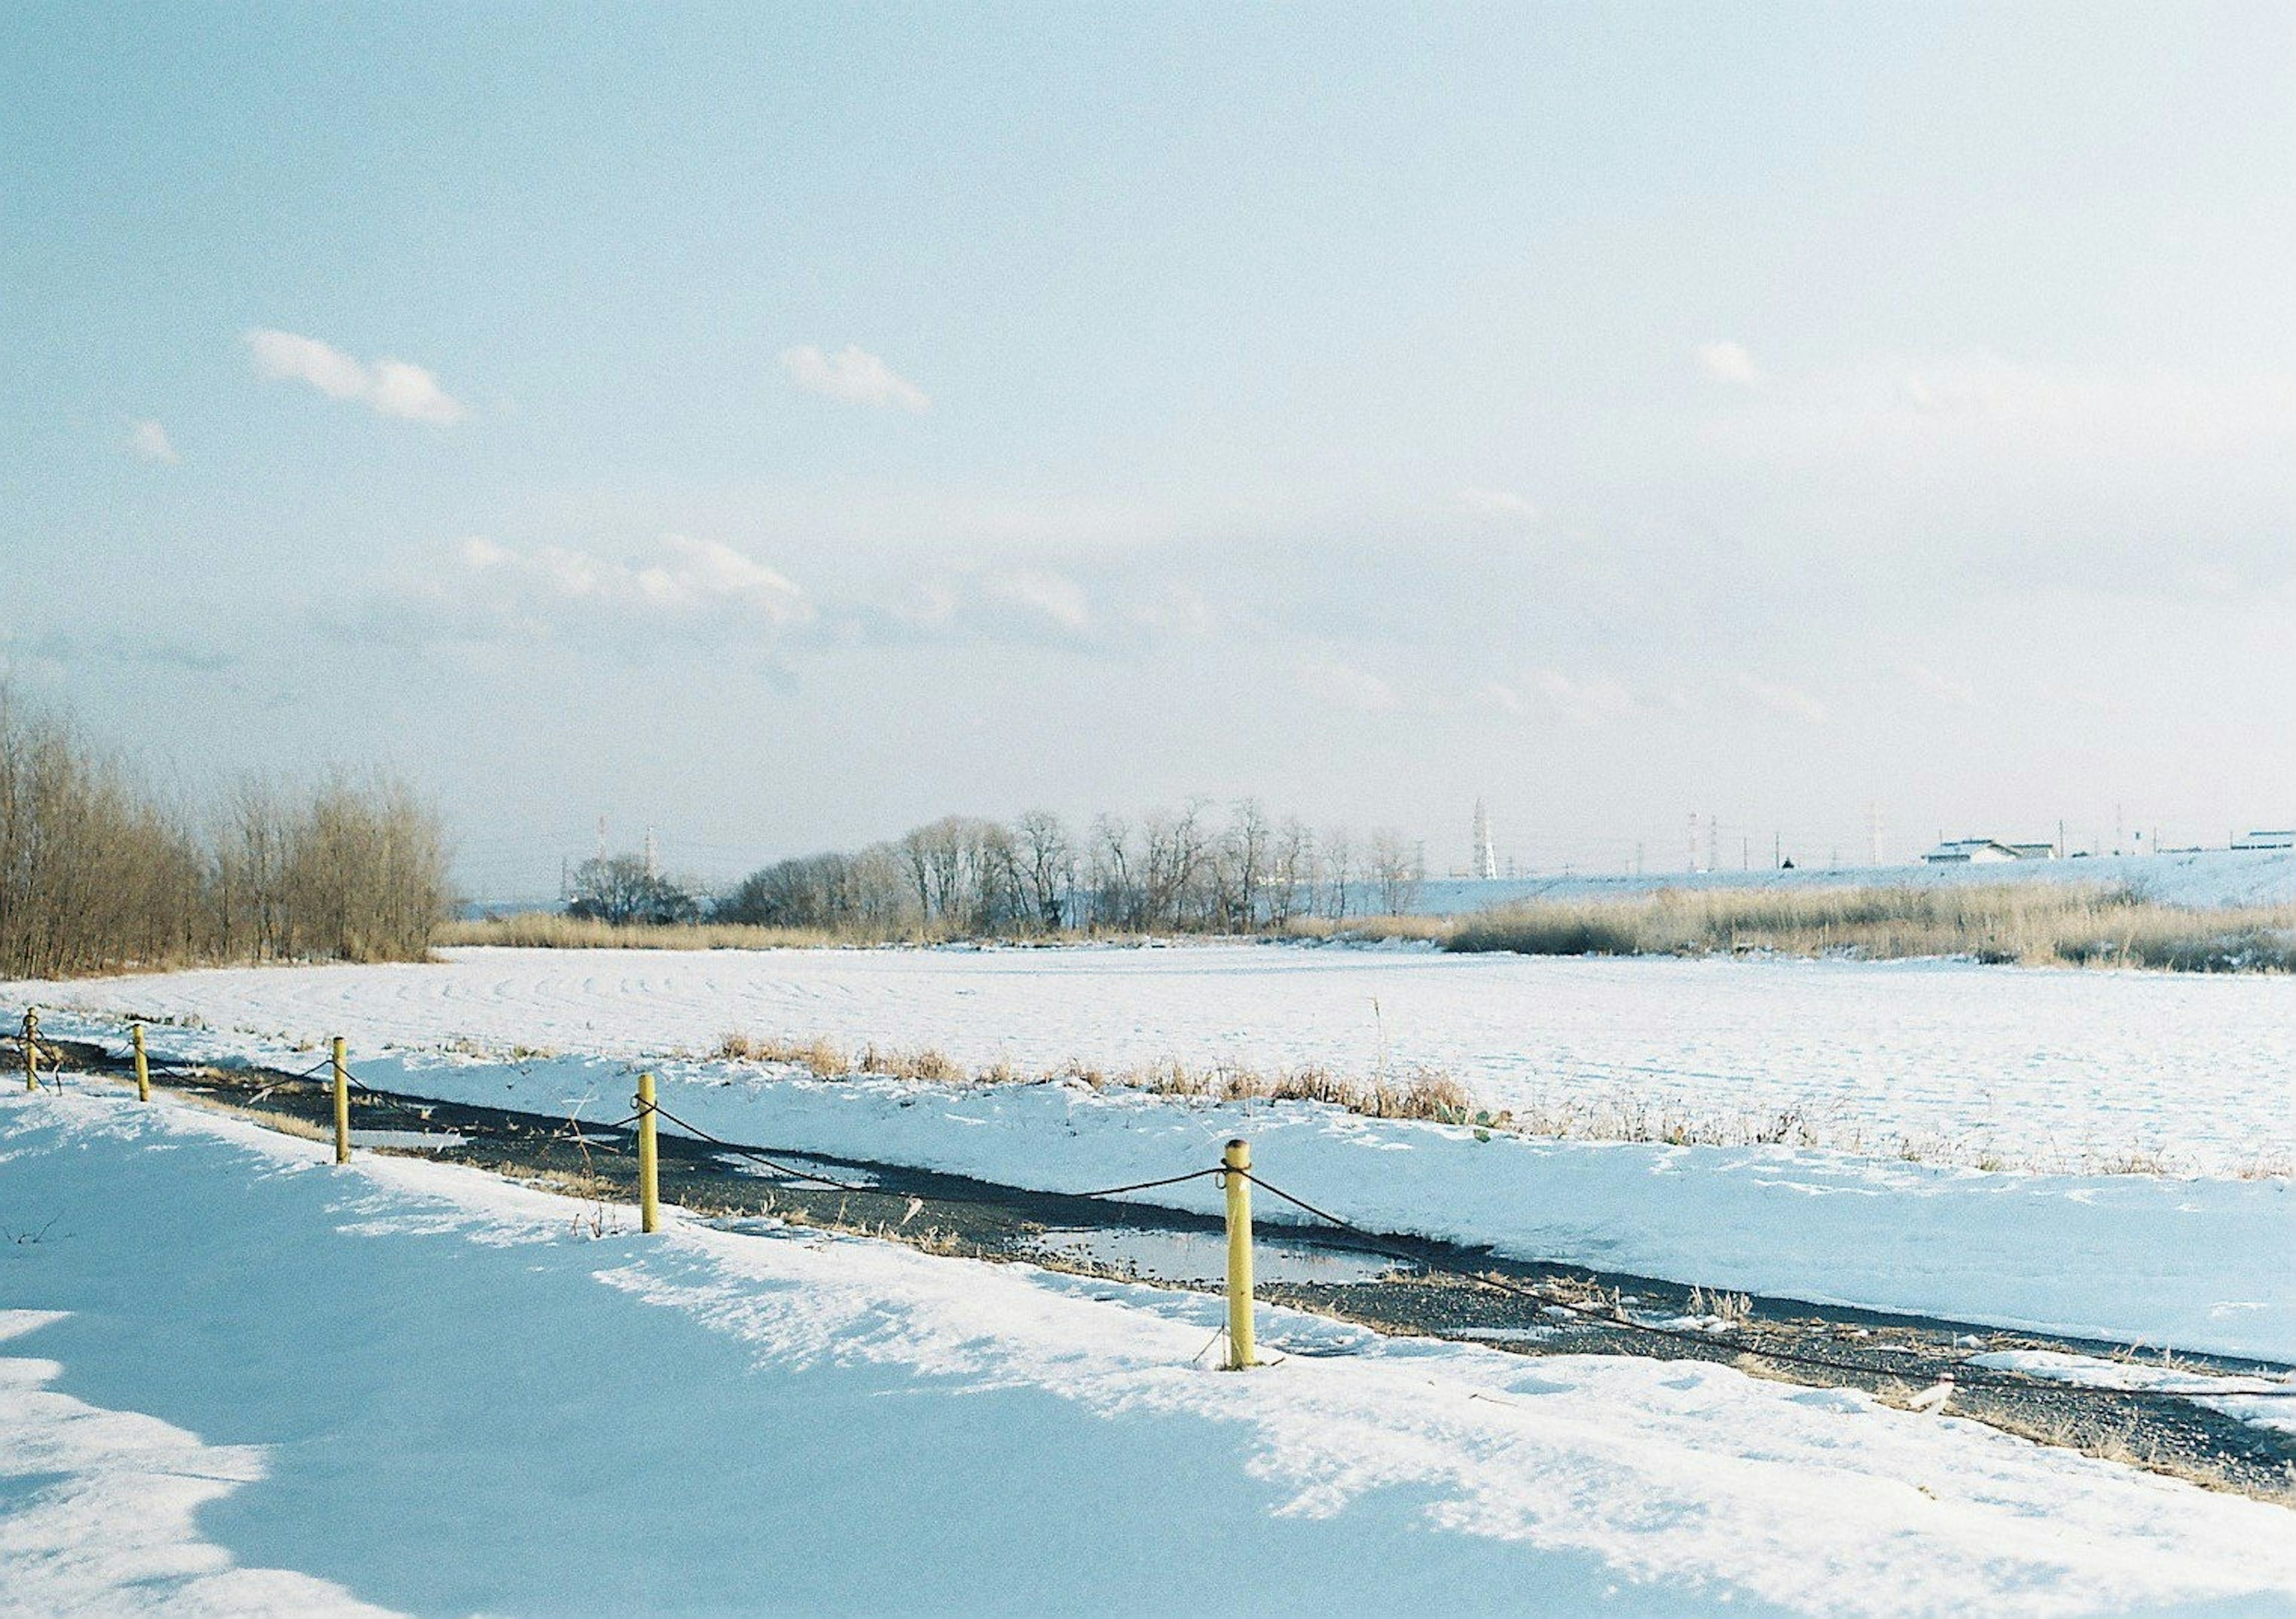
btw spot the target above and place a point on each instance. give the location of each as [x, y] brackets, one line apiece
[1238, 1156]
[342, 1105]
[31, 1048]
[143, 1069]
[649, 1159]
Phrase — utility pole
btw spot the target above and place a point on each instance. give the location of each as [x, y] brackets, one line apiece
[653, 867]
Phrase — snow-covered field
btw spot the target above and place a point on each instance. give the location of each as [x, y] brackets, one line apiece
[2049, 1064]
[2055, 1070]
[236, 1379]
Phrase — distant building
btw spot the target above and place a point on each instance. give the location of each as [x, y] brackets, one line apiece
[1986, 851]
[2268, 840]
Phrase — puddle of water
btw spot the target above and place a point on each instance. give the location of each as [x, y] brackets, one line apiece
[1201, 1257]
[426, 1140]
[797, 1161]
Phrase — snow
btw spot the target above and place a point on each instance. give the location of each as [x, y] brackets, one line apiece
[416, 1386]
[2201, 1263]
[97, 1508]
[2187, 876]
[2264, 1401]
[2049, 1070]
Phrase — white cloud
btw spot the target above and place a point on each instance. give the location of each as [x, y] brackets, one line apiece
[1498, 503]
[150, 440]
[1947, 690]
[694, 577]
[1583, 703]
[1555, 695]
[1784, 700]
[1056, 598]
[1028, 606]
[409, 391]
[1345, 686]
[854, 375]
[390, 388]
[1729, 363]
[687, 589]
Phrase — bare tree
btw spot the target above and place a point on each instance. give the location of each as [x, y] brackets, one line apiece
[1338, 871]
[1244, 854]
[1047, 869]
[621, 889]
[97, 873]
[1395, 871]
[1291, 873]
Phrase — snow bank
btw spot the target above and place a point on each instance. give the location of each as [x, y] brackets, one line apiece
[2197, 1264]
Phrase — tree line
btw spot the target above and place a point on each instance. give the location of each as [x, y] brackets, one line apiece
[963, 876]
[99, 873]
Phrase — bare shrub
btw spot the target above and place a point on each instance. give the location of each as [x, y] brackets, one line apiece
[97, 874]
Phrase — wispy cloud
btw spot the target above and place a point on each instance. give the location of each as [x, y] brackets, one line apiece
[1343, 685]
[1785, 700]
[855, 376]
[1947, 690]
[1549, 694]
[1951, 412]
[684, 590]
[1022, 606]
[390, 388]
[1498, 503]
[1729, 363]
[149, 440]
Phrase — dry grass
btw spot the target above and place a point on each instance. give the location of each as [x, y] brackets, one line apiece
[1421, 1094]
[1370, 929]
[551, 930]
[824, 1058]
[2037, 924]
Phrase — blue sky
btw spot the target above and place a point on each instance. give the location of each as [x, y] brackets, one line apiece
[779, 426]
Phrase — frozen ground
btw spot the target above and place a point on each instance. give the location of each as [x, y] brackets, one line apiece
[237, 1379]
[2061, 1070]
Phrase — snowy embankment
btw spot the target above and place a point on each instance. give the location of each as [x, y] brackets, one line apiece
[2200, 1265]
[412, 1385]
